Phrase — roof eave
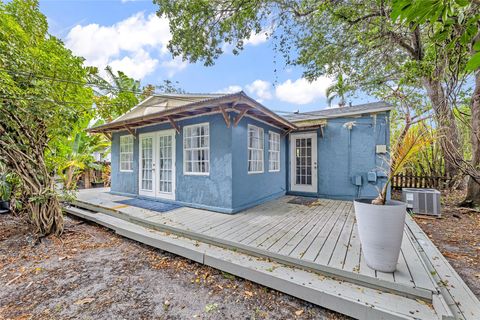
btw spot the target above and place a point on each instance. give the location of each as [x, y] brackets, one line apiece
[350, 114]
[238, 97]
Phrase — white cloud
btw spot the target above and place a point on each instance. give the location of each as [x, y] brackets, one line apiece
[257, 38]
[173, 66]
[230, 89]
[136, 66]
[261, 88]
[135, 45]
[301, 91]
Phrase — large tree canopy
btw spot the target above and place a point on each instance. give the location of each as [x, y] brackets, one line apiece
[42, 97]
[364, 41]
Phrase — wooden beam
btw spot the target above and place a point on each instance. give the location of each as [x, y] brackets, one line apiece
[225, 115]
[239, 117]
[174, 124]
[287, 132]
[132, 132]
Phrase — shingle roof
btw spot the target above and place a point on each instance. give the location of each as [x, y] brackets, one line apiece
[366, 108]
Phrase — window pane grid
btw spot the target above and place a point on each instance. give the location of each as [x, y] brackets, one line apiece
[165, 182]
[147, 163]
[255, 149]
[303, 155]
[126, 153]
[274, 151]
[196, 149]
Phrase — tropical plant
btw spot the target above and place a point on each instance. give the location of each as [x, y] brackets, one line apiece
[115, 94]
[5, 188]
[43, 97]
[338, 90]
[409, 143]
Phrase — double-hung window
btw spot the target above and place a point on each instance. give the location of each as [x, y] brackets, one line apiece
[126, 153]
[255, 149]
[273, 151]
[196, 149]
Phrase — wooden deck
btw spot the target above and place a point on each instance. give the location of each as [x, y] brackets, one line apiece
[322, 238]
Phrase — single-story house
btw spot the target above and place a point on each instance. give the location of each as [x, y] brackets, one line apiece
[228, 152]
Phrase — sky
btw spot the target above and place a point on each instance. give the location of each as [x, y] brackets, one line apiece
[128, 36]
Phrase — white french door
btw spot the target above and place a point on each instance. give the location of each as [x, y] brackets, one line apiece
[303, 162]
[157, 164]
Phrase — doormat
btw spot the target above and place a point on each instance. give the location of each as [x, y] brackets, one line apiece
[306, 201]
[157, 206]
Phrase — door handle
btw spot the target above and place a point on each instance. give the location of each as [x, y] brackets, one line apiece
[315, 165]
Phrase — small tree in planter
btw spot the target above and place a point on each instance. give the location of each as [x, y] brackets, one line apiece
[381, 221]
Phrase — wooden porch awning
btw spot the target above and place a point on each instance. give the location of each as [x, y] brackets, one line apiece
[237, 102]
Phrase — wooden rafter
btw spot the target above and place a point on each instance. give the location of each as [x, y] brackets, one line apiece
[287, 132]
[131, 131]
[239, 117]
[174, 124]
[225, 115]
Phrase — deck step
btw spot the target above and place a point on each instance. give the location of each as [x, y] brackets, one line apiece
[342, 296]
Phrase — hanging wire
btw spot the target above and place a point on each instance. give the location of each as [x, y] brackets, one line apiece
[86, 83]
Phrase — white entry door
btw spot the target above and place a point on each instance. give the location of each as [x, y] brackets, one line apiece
[303, 162]
[157, 164]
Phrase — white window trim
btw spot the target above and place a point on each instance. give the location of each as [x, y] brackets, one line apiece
[185, 173]
[279, 150]
[263, 148]
[120, 152]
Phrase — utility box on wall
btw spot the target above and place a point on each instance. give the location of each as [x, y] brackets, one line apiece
[423, 201]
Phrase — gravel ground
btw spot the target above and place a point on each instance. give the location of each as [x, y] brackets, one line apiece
[91, 273]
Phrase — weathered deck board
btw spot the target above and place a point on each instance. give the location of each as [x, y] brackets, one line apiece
[297, 220]
[288, 247]
[322, 236]
[325, 253]
[352, 258]
[339, 255]
[301, 247]
[256, 224]
[299, 231]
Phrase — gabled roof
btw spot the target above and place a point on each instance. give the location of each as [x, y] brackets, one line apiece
[367, 108]
[172, 107]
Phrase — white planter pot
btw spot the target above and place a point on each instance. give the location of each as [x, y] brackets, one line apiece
[381, 230]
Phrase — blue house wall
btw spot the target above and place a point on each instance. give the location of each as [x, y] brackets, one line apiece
[228, 163]
[344, 153]
[254, 188]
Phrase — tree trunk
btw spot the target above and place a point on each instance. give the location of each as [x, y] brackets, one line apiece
[87, 178]
[473, 187]
[447, 131]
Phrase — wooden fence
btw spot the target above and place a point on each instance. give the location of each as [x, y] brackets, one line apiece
[410, 180]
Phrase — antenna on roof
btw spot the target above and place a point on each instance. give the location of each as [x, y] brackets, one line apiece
[296, 111]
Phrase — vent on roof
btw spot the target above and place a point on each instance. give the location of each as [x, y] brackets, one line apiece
[423, 201]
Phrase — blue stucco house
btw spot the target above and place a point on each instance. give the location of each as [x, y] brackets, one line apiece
[227, 152]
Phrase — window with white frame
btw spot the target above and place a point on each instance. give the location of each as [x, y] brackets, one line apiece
[273, 151]
[255, 149]
[126, 153]
[196, 149]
